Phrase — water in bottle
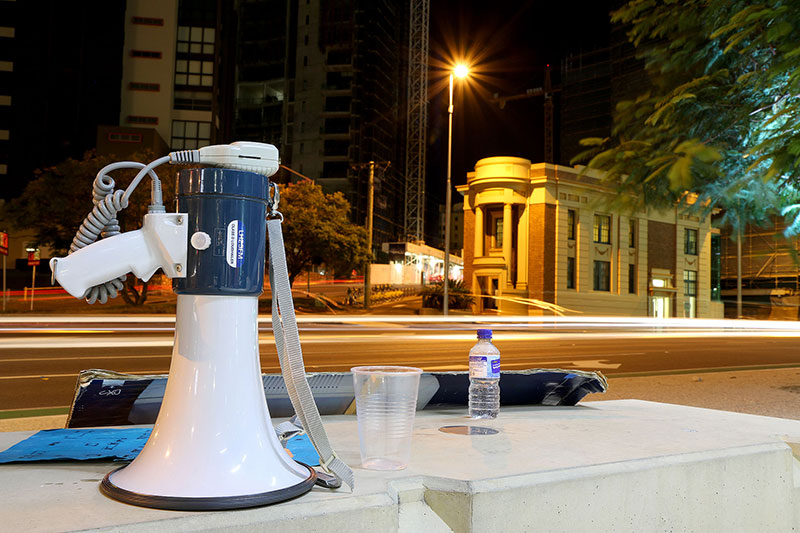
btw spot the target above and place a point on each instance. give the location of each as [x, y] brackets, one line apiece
[484, 377]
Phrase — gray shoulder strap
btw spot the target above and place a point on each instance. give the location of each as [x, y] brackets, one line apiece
[287, 342]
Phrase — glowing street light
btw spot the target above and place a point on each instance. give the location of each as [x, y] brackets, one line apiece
[459, 71]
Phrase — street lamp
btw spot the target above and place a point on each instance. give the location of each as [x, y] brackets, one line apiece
[459, 71]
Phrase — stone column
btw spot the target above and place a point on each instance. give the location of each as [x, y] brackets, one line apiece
[507, 218]
[479, 232]
[522, 248]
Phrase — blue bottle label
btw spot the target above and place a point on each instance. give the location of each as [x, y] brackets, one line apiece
[484, 366]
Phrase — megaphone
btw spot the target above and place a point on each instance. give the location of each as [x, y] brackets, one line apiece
[213, 445]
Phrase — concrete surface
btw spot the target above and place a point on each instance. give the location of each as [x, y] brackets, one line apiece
[773, 392]
[622, 465]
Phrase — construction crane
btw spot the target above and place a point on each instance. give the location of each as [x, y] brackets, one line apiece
[416, 120]
[547, 91]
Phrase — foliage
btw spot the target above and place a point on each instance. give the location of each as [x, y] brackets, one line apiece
[458, 295]
[56, 201]
[721, 118]
[317, 230]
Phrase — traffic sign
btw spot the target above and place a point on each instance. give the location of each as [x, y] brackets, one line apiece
[3, 243]
[33, 257]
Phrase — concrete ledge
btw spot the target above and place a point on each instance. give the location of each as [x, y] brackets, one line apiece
[604, 466]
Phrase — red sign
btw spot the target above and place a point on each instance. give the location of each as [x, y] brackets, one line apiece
[33, 258]
[3, 243]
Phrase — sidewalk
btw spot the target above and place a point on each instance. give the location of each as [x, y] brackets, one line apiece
[757, 392]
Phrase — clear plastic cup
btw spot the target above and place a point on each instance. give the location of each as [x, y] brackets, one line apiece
[386, 401]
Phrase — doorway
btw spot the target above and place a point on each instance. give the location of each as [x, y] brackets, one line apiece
[489, 287]
[660, 306]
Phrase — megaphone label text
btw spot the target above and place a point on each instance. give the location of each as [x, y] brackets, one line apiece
[234, 250]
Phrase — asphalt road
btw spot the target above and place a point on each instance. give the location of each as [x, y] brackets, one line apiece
[40, 358]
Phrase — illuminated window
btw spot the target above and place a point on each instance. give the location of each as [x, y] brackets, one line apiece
[189, 135]
[194, 60]
[194, 73]
[602, 229]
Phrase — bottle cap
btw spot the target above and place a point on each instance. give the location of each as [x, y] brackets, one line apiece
[484, 334]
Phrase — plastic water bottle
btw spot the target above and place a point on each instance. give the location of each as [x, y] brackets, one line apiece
[484, 377]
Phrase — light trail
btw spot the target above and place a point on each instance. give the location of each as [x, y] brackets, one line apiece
[48, 322]
[18, 343]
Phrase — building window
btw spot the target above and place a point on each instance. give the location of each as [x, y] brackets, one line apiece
[195, 40]
[119, 137]
[194, 61]
[690, 293]
[148, 21]
[137, 86]
[570, 272]
[602, 229]
[716, 268]
[571, 224]
[690, 241]
[189, 135]
[306, 20]
[146, 54]
[632, 278]
[194, 73]
[305, 40]
[632, 234]
[602, 276]
[497, 236]
[305, 61]
[136, 119]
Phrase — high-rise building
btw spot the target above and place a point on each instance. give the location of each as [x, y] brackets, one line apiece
[172, 72]
[7, 31]
[59, 78]
[323, 80]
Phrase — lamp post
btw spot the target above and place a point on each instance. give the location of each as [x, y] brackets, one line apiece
[460, 71]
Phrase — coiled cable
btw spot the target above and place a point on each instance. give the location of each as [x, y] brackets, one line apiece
[102, 220]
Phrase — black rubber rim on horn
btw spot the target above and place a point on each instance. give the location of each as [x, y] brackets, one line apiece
[211, 503]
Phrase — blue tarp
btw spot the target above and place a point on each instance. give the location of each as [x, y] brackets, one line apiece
[116, 444]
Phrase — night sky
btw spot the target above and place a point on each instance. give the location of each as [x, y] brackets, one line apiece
[508, 44]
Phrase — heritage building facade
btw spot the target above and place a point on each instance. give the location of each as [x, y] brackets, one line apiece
[543, 232]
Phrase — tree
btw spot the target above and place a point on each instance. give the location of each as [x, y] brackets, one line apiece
[55, 203]
[317, 230]
[721, 120]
